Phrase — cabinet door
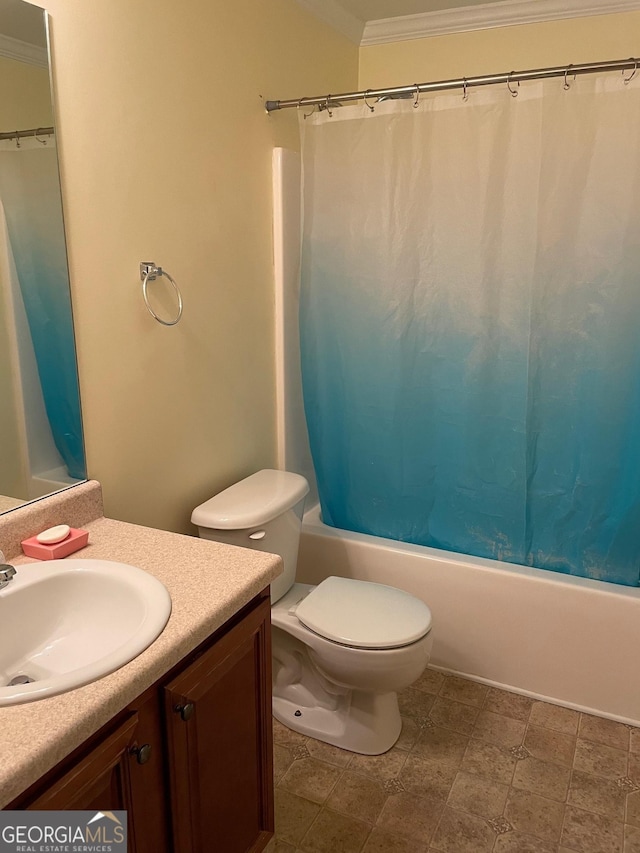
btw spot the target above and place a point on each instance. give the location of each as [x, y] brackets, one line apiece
[220, 743]
[123, 771]
[100, 781]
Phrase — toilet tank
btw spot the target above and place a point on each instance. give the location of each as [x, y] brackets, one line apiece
[262, 512]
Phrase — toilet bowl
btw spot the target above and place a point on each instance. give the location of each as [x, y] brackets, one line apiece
[342, 649]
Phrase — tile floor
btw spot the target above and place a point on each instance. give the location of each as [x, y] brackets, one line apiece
[476, 770]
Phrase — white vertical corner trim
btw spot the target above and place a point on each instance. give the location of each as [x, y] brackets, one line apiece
[12, 48]
[334, 14]
[293, 451]
[507, 13]
[277, 164]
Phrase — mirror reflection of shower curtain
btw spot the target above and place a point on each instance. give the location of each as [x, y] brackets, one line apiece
[470, 310]
[30, 193]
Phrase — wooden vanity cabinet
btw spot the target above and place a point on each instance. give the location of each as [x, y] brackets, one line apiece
[220, 743]
[190, 760]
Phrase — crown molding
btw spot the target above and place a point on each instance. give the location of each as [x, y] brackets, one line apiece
[12, 48]
[334, 14]
[487, 16]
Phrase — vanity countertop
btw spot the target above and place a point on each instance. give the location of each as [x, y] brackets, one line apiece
[208, 583]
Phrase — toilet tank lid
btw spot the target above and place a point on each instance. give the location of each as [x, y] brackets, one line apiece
[253, 501]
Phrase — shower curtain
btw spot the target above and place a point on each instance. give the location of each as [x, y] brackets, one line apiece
[30, 194]
[470, 322]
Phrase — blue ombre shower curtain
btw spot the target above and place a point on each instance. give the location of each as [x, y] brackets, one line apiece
[30, 194]
[470, 322]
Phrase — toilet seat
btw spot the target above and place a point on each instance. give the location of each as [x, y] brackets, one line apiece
[364, 615]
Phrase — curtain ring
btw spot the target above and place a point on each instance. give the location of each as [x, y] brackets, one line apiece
[299, 104]
[416, 102]
[628, 80]
[465, 94]
[512, 92]
[326, 106]
[35, 136]
[366, 102]
[17, 139]
[566, 84]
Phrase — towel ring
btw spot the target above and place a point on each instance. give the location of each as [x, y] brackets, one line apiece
[150, 272]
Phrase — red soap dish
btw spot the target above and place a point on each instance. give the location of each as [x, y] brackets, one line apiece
[76, 539]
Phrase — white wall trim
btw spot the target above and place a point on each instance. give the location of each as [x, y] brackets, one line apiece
[507, 13]
[12, 48]
[332, 13]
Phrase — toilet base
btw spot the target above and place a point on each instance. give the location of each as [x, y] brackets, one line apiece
[367, 723]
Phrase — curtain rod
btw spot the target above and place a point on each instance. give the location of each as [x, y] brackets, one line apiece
[324, 101]
[34, 131]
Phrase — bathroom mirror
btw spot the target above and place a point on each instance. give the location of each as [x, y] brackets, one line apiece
[41, 442]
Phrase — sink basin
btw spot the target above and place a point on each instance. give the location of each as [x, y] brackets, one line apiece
[66, 623]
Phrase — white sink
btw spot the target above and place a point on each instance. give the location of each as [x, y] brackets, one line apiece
[65, 623]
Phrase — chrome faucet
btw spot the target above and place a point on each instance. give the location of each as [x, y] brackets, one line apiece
[6, 574]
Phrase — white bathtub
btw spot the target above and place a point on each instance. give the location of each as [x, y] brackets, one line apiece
[568, 640]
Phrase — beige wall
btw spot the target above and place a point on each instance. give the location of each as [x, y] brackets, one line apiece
[24, 96]
[487, 51]
[166, 156]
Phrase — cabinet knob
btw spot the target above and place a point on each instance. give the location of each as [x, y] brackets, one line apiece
[142, 753]
[185, 711]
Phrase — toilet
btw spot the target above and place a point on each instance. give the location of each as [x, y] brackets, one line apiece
[341, 649]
